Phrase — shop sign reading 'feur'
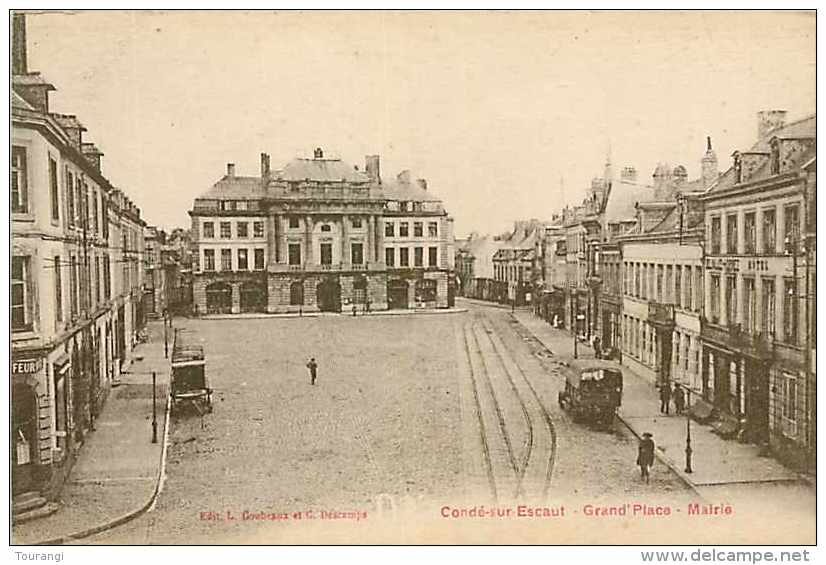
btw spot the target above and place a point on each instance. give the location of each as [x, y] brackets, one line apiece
[26, 366]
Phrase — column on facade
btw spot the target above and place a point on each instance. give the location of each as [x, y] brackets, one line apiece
[345, 239]
[779, 236]
[272, 240]
[308, 240]
[371, 236]
[760, 246]
[379, 240]
[739, 297]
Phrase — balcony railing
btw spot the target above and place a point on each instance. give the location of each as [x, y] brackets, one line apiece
[757, 345]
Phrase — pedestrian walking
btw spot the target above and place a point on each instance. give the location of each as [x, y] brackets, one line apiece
[665, 398]
[679, 399]
[313, 367]
[597, 347]
[645, 455]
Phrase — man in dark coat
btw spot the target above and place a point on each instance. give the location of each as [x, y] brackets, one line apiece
[313, 367]
[645, 455]
[679, 399]
[665, 398]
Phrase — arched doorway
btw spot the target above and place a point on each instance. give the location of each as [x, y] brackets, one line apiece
[297, 293]
[253, 297]
[359, 289]
[328, 293]
[219, 298]
[23, 436]
[397, 294]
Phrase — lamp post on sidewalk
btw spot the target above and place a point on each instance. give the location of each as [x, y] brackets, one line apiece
[688, 450]
[154, 413]
[165, 338]
[574, 319]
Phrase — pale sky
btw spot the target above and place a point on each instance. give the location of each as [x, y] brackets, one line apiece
[492, 108]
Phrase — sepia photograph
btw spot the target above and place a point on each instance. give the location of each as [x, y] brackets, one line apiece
[413, 277]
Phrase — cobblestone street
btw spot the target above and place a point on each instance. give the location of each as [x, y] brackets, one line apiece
[386, 428]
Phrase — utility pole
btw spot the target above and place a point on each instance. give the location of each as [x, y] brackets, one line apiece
[574, 316]
[154, 412]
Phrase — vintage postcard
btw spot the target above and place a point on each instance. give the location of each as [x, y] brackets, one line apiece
[413, 277]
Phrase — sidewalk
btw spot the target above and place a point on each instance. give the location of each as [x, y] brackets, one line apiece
[118, 470]
[715, 461]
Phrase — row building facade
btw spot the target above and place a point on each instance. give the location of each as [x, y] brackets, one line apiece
[76, 281]
[320, 235]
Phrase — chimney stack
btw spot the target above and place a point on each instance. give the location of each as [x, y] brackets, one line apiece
[318, 153]
[73, 128]
[265, 167]
[373, 168]
[404, 177]
[768, 121]
[230, 170]
[422, 184]
[92, 154]
[20, 65]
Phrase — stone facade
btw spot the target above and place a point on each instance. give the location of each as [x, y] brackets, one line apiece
[324, 235]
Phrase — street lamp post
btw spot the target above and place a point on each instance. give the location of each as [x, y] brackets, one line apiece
[688, 450]
[165, 339]
[154, 413]
[574, 320]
